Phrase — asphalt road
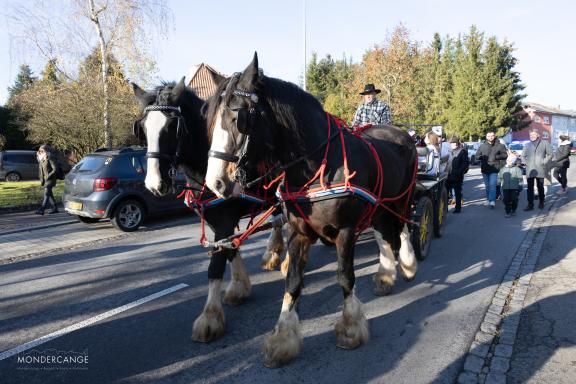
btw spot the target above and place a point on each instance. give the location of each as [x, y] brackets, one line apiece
[419, 334]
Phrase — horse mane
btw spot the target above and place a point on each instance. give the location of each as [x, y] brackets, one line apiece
[291, 108]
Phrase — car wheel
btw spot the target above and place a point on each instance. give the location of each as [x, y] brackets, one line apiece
[128, 215]
[13, 176]
[88, 220]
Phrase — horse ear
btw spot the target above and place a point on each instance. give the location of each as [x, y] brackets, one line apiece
[178, 90]
[140, 94]
[251, 74]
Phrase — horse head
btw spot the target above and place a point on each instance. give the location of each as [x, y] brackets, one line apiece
[240, 130]
[163, 125]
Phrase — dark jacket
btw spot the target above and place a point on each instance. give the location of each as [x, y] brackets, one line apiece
[47, 172]
[460, 165]
[537, 156]
[492, 156]
[563, 155]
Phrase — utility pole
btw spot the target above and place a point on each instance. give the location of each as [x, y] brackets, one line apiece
[304, 43]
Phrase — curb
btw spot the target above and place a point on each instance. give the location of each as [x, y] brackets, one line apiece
[35, 227]
[488, 359]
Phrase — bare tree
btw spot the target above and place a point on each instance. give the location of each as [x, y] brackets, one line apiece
[68, 31]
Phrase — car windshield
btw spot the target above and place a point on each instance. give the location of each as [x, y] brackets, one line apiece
[91, 163]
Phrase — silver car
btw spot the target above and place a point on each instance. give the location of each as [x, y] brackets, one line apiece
[18, 165]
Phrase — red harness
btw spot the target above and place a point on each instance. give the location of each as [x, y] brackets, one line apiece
[376, 199]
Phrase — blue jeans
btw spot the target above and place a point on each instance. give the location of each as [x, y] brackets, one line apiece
[490, 181]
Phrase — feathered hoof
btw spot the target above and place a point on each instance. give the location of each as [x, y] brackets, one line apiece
[352, 328]
[210, 325]
[383, 284]
[271, 262]
[284, 343]
[352, 335]
[237, 292]
[407, 274]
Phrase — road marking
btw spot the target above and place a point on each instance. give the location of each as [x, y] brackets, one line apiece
[44, 339]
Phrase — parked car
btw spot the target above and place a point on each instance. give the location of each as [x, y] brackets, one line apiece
[517, 147]
[472, 147]
[573, 148]
[18, 165]
[110, 184]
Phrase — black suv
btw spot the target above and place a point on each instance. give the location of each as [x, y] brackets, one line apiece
[109, 183]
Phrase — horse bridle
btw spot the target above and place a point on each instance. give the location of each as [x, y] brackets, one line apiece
[244, 120]
[180, 130]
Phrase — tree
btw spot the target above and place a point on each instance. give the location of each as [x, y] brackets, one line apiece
[24, 80]
[68, 115]
[122, 28]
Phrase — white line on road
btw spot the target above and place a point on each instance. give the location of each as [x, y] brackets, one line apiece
[44, 339]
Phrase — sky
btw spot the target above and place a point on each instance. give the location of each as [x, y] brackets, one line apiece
[226, 33]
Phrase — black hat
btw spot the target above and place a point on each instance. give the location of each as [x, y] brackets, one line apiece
[368, 88]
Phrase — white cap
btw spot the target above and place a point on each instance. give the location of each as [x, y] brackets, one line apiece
[437, 129]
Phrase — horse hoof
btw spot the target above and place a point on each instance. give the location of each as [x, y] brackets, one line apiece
[407, 275]
[352, 328]
[272, 262]
[237, 292]
[383, 285]
[284, 343]
[210, 325]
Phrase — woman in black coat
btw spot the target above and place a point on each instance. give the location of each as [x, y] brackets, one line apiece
[48, 178]
[460, 164]
[562, 162]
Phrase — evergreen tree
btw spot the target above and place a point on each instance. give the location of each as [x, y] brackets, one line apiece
[50, 73]
[24, 80]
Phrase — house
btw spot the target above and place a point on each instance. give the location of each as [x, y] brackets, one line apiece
[204, 80]
[550, 122]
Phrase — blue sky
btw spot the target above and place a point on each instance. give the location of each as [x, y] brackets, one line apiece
[225, 34]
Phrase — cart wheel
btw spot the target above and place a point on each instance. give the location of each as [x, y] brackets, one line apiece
[440, 210]
[422, 233]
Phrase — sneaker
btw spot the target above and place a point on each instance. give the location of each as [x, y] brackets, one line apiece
[486, 203]
[529, 208]
[39, 212]
[513, 213]
[507, 215]
[561, 191]
[492, 204]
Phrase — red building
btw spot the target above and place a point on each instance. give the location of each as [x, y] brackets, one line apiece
[550, 122]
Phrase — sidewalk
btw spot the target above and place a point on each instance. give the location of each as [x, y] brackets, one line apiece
[24, 234]
[528, 333]
[15, 221]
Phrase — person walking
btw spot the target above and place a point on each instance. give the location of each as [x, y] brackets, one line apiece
[510, 179]
[48, 168]
[372, 110]
[537, 154]
[562, 163]
[492, 155]
[459, 167]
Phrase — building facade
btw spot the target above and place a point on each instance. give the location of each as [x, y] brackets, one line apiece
[549, 122]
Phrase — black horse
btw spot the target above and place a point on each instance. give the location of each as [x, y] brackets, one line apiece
[175, 128]
[258, 118]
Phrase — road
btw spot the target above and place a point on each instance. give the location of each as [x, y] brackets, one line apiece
[420, 333]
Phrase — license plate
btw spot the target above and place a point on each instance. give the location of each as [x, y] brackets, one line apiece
[74, 205]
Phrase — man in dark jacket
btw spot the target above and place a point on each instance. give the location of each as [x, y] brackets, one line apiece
[48, 177]
[459, 167]
[537, 155]
[492, 155]
[562, 162]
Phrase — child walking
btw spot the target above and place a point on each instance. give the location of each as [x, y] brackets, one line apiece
[510, 179]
